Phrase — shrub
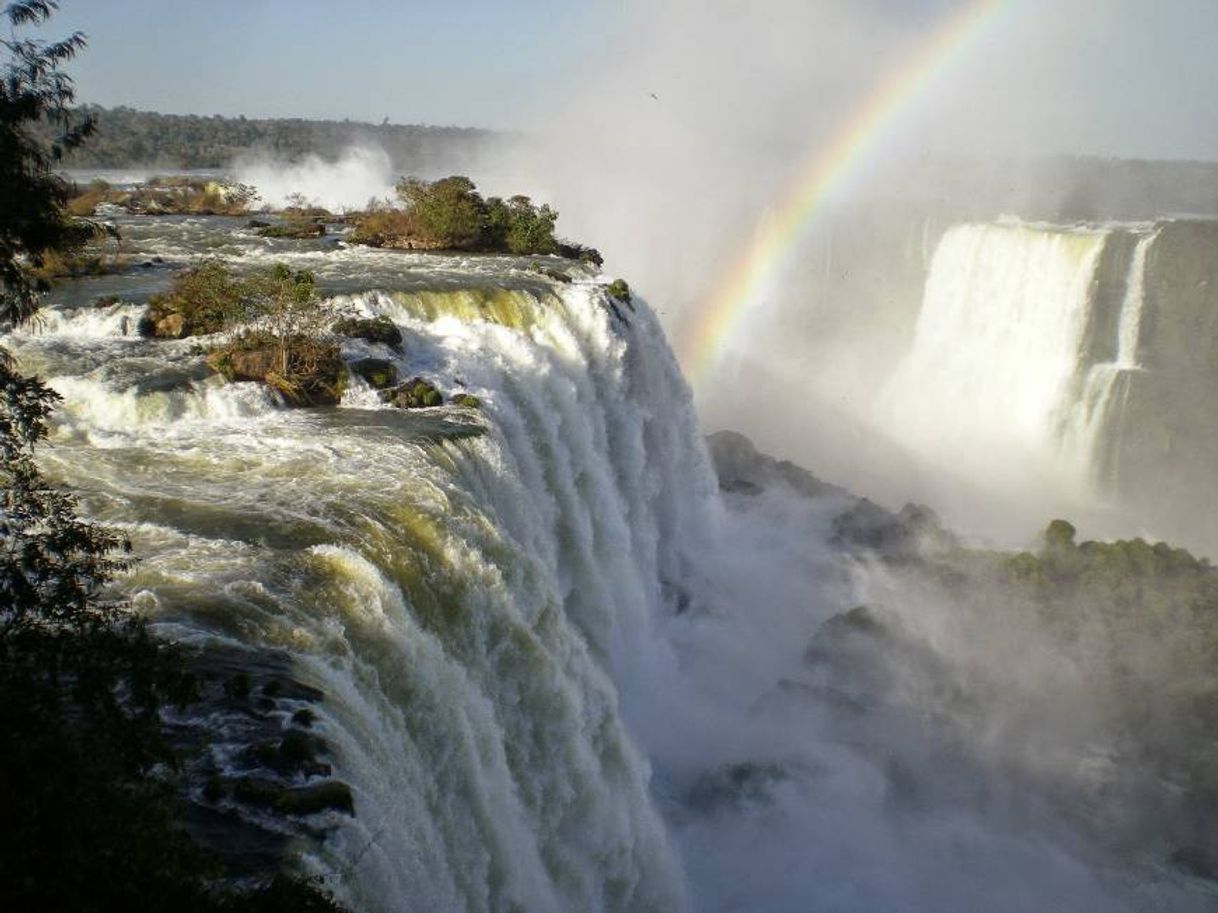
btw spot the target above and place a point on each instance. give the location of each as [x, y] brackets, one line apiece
[382, 225]
[449, 211]
[202, 300]
[450, 214]
[286, 340]
[84, 202]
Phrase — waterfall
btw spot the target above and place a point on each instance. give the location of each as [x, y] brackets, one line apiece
[463, 587]
[1092, 423]
[1022, 350]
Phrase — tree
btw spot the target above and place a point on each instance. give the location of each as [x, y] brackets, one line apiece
[33, 90]
[286, 305]
[530, 230]
[450, 211]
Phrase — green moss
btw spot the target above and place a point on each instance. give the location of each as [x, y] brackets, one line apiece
[619, 290]
[468, 400]
[414, 394]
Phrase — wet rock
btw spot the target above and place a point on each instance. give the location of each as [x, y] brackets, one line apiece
[313, 378]
[304, 717]
[297, 231]
[908, 534]
[414, 394]
[164, 326]
[378, 373]
[370, 329]
[743, 469]
[735, 784]
[332, 795]
[468, 400]
[1196, 861]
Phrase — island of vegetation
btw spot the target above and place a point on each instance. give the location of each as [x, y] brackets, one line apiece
[445, 215]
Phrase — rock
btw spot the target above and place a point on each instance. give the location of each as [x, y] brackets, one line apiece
[304, 717]
[376, 372]
[332, 795]
[913, 531]
[468, 400]
[414, 394]
[257, 223]
[748, 782]
[315, 375]
[297, 231]
[166, 326]
[370, 329]
[1195, 861]
[743, 469]
[294, 754]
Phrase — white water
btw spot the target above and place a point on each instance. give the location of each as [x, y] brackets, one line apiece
[464, 602]
[511, 692]
[999, 383]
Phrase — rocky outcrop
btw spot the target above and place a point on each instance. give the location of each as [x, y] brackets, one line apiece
[414, 394]
[304, 373]
[378, 373]
[370, 329]
[164, 325]
[332, 795]
[743, 469]
[297, 231]
[911, 533]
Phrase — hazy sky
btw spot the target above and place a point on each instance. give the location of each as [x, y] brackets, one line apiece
[1137, 77]
[495, 63]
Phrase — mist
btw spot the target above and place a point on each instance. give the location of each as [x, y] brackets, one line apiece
[676, 148]
[361, 173]
[682, 140]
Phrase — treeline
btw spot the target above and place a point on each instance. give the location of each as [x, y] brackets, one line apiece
[126, 138]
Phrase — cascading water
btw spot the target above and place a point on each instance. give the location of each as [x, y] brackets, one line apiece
[558, 671]
[1023, 350]
[1092, 424]
[461, 587]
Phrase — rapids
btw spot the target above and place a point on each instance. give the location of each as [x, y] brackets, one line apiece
[560, 670]
[462, 586]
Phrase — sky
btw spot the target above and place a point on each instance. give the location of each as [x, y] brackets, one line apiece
[1121, 77]
[488, 63]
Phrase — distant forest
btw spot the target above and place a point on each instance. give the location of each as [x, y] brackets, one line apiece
[128, 138]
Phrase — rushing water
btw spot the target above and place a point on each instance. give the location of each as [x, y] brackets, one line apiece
[560, 673]
[460, 584]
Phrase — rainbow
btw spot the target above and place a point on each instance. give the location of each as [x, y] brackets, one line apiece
[827, 169]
